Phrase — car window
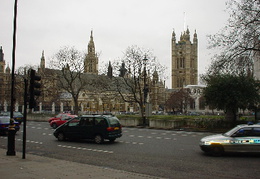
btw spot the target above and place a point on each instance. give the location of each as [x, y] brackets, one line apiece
[113, 120]
[74, 122]
[65, 117]
[86, 121]
[100, 121]
[59, 115]
[244, 132]
[256, 131]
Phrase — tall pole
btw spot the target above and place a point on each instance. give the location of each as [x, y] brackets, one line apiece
[145, 91]
[11, 130]
[25, 116]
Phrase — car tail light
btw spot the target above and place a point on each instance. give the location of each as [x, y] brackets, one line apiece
[114, 128]
[110, 129]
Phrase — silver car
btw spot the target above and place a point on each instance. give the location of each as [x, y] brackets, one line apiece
[242, 138]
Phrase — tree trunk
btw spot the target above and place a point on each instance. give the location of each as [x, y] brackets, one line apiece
[231, 117]
[143, 116]
[76, 109]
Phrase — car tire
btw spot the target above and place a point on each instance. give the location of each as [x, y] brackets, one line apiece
[54, 125]
[98, 139]
[61, 137]
[217, 150]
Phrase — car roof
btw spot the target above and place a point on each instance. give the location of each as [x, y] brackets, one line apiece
[249, 125]
[95, 115]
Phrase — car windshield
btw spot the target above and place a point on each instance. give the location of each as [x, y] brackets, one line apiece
[232, 131]
[73, 122]
[113, 120]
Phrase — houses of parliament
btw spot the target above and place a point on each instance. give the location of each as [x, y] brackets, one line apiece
[184, 71]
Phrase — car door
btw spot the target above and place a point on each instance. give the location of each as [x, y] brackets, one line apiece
[241, 141]
[71, 129]
[100, 127]
[86, 127]
[255, 140]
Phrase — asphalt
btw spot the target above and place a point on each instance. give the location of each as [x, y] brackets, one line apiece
[38, 167]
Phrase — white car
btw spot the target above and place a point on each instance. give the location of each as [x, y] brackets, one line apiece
[242, 138]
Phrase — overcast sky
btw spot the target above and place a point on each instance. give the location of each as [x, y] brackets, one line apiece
[117, 24]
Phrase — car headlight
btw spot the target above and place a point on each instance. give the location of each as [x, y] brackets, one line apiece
[206, 142]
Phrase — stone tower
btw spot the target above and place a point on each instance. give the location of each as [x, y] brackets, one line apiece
[91, 59]
[184, 60]
[110, 70]
[42, 64]
[2, 61]
[3, 79]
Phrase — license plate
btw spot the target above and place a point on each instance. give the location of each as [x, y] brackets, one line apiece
[116, 128]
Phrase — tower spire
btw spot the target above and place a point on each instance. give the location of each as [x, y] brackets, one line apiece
[42, 64]
[91, 35]
[91, 60]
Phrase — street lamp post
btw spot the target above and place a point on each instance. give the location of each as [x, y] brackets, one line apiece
[11, 130]
[145, 91]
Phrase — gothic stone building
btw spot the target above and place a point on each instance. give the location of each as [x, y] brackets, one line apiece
[90, 99]
[184, 60]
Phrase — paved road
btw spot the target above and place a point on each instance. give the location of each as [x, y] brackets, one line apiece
[162, 153]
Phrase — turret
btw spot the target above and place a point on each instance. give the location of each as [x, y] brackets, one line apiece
[8, 70]
[42, 64]
[195, 39]
[110, 70]
[187, 35]
[155, 76]
[91, 45]
[1, 54]
[173, 36]
[122, 70]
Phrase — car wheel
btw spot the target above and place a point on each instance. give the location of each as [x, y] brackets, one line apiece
[98, 139]
[61, 137]
[217, 151]
[54, 125]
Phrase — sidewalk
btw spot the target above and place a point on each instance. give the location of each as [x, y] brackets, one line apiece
[37, 167]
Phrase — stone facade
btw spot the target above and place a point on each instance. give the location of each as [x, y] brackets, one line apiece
[5, 82]
[184, 60]
[91, 60]
[91, 99]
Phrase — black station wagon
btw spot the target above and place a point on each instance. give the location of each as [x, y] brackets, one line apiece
[95, 127]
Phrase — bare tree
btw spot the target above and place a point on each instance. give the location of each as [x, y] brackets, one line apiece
[239, 40]
[135, 74]
[70, 62]
[179, 100]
